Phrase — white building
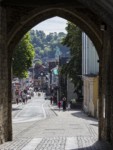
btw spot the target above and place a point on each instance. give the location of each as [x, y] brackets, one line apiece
[90, 57]
[90, 70]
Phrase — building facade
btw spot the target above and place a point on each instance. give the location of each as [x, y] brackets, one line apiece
[90, 70]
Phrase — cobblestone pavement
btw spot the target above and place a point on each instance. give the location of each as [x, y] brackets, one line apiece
[69, 130]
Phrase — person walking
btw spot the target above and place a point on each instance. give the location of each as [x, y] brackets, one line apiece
[59, 105]
[64, 103]
[51, 100]
[24, 97]
[17, 96]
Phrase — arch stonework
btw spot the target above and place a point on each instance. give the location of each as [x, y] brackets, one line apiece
[25, 23]
[16, 18]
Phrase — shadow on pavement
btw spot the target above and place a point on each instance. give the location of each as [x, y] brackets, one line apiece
[99, 145]
[94, 125]
[81, 114]
[77, 113]
[15, 109]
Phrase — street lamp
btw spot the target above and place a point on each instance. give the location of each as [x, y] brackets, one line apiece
[41, 79]
[33, 65]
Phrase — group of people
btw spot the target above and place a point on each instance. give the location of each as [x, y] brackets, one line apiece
[53, 99]
[21, 96]
[61, 103]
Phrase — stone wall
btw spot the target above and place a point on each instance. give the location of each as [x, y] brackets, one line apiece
[5, 120]
[106, 88]
[90, 93]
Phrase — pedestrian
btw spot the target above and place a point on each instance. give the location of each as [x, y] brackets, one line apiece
[69, 105]
[24, 97]
[20, 96]
[17, 101]
[59, 105]
[64, 102]
[51, 100]
[39, 94]
[17, 96]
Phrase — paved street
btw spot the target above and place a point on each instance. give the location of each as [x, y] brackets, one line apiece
[38, 125]
[32, 111]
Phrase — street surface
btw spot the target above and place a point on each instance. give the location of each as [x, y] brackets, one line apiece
[33, 111]
[37, 125]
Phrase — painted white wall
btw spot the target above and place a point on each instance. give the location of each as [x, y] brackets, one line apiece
[90, 57]
[90, 67]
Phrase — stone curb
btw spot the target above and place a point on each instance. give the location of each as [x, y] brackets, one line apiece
[53, 110]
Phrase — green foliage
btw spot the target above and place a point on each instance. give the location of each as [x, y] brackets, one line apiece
[73, 68]
[38, 63]
[45, 44]
[23, 56]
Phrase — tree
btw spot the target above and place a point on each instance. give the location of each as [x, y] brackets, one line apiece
[23, 56]
[38, 63]
[44, 44]
[73, 68]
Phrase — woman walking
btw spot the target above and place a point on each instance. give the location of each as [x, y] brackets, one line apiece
[64, 103]
[59, 105]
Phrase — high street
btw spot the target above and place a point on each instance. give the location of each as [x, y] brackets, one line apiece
[33, 110]
[37, 125]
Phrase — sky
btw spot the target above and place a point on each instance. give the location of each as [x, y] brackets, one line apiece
[55, 24]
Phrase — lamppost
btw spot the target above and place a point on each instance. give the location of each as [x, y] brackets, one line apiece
[41, 79]
[33, 73]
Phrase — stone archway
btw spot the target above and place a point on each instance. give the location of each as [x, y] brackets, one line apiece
[90, 17]
[35, 17]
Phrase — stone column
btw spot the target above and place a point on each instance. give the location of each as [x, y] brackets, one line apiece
[110, 104]
[105, 88]
[5, 114]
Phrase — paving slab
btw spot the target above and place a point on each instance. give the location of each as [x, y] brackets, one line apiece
[69, 130]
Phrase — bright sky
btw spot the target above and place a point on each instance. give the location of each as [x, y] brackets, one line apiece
[55, 24]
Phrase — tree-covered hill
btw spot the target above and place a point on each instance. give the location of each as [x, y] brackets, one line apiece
[46, 46]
